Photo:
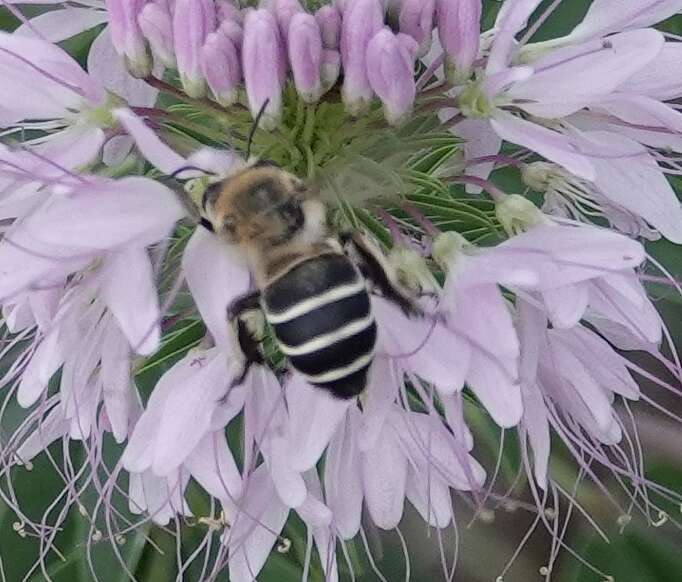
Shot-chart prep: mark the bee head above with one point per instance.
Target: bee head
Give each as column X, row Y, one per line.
column 261, row 204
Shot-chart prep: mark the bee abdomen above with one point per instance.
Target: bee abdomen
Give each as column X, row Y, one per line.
column 321, row 315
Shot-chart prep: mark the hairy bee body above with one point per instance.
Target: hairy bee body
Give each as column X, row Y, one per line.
column 321, row 315
column 312, row 291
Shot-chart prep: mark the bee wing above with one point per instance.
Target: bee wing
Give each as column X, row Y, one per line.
column 359, row 181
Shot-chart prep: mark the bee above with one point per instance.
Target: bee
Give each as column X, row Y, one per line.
column 312, row 284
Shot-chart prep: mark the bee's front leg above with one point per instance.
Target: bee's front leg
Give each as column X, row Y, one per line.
column 249, row 344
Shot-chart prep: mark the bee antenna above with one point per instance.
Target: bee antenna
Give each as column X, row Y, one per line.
column 186, row 168
column 254, row 127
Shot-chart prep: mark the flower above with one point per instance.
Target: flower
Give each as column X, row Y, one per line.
column 500, row 315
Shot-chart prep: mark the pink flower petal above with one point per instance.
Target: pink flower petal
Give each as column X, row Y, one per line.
column 431, row 498
column 108, row 69
column 570, row 78
column 256, row 523
column 566, row 305
column 207, row 260
column 116, row 381
column 188, row 409
column 606, row 16
column 561, row 255
column 629, row 176
column 549, row 144
column 537, row 430
column 151, row 147
column 384, row 477
column 212, row 465
column 342, row 477
column 107, row 214
column 661, row 78
column 479, row 141
column 511, row 18
column 314, row 417
column 40, row 80
column 129, row 290
column 58, row 25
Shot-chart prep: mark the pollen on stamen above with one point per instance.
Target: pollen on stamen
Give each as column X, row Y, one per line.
column 284, row 546
column 663, row 518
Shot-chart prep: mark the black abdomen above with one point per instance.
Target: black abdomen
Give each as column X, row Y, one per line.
column 321, row 315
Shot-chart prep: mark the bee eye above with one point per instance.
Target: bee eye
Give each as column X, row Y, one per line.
column 210, row 195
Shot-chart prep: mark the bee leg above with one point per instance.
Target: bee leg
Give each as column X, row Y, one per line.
column 248, row 343
column 375, row 267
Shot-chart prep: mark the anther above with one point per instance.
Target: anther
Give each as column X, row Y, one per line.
column 623, row 520
column 487, row 516
column 544, row 571
column 284, row 545
column 662, row 519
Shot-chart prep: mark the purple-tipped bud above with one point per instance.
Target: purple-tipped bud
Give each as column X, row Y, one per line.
column 329, row 21
column 284, row 11
column 232, row 30
column 330, row 69
column 193, row 21
column 362, row 19
column 459, row 29
column 390, row 68
column 226, row 10
column 305, row 56
column 221, row 67
column 416, row 19
column 262, row 61
column 157, row 25
column 127, row 37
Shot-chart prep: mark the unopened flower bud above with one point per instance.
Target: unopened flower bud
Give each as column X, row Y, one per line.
column 284, row 11
column 262, row 59
column 362, row 19
column 221, row 67
column 157, row 25
column 416, row 19
column 226, row 10
column 127, row 37
column 232, row 30
column 390, row 69
column 329, row 21
column 305, row 56
column 459, row 23
column 330, row 68
column 193, row 21
column 516, row 214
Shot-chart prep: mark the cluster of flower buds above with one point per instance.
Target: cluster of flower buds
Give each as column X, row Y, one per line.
column 218, row 47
